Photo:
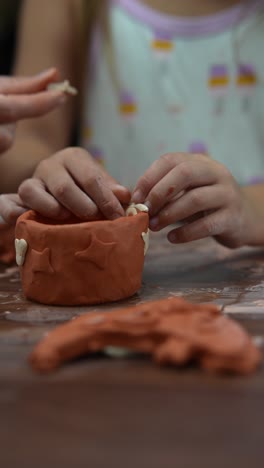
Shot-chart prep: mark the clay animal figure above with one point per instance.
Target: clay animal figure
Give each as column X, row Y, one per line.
column 172, row 331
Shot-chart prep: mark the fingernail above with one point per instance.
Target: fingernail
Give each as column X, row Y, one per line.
column 172, row 237
column 137, row 197
column 117, row 216
column 154, row 222
column 118, row 213
column 148, row 205
column 45, row 72
column 120, row 187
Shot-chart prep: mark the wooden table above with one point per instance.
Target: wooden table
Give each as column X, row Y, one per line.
column 99, row 412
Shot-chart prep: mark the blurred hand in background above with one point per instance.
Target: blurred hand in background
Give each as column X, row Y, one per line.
column 22, row 98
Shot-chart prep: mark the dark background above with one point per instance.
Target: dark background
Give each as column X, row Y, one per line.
column 9, row 11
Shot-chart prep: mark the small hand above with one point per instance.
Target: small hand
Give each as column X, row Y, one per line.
column 71, row 182
column 22, row 98
column 198, row 192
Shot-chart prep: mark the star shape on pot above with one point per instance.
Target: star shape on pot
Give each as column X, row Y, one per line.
column 41, row 261
column 97, row 252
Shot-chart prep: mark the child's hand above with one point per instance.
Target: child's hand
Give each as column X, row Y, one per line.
column 22, row 98
column 198, row 192
column 71, row 182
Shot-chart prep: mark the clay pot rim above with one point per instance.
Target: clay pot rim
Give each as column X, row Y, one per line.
column 37, row 220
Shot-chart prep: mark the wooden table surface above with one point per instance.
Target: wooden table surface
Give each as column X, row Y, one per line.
column 99, row 412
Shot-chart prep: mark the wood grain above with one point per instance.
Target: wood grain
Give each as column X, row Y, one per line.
column 98, row 412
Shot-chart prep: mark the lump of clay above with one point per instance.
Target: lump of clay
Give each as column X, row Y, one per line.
column 80, row 262
column 7, row 244
column 64, row 87
column 172, row 331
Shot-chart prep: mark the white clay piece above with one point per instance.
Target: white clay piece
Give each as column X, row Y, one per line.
column 131, row 211
column 64, row 87
column 136, row 208
column 21, row 250
column 145, row 237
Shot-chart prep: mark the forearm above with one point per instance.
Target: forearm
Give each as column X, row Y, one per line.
column 41, row 45
column 254, row 195
column 20, row 162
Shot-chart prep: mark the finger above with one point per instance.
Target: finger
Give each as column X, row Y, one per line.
column 61, row 185
column 6, row 137
column 122, row 193
column 28, row 85
column 96, row 186
column 184, row 176
column 215, row 224
column 35, row 196
column 11, row 207
column 14, row 108
column 192, row 202
column 154, row 174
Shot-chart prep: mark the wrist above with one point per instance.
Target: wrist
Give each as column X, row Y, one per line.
column 20, row 163
column 254, row 207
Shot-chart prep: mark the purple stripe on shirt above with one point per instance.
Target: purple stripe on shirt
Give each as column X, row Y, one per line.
column 163, row 35
column 190, row 27
column 198, row 147
column 246, row 69
column 127, row 98
column 217, row 71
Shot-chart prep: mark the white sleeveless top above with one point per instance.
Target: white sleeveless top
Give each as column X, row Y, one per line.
column 188, row 85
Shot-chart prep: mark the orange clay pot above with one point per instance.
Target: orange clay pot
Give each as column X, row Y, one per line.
column 81, row 262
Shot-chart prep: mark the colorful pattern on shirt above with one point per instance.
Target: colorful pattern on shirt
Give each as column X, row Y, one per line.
column 207, row 97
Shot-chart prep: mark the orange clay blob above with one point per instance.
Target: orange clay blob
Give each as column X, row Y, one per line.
column 172, row 331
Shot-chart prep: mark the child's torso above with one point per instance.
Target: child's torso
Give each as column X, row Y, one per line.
column 169, row 84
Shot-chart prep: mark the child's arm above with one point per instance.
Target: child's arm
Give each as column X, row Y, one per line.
column 24, row 98
column 47, row 38
column 201, row 194
column 254, row 194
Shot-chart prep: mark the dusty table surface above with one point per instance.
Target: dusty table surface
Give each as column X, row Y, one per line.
column 98, row 412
